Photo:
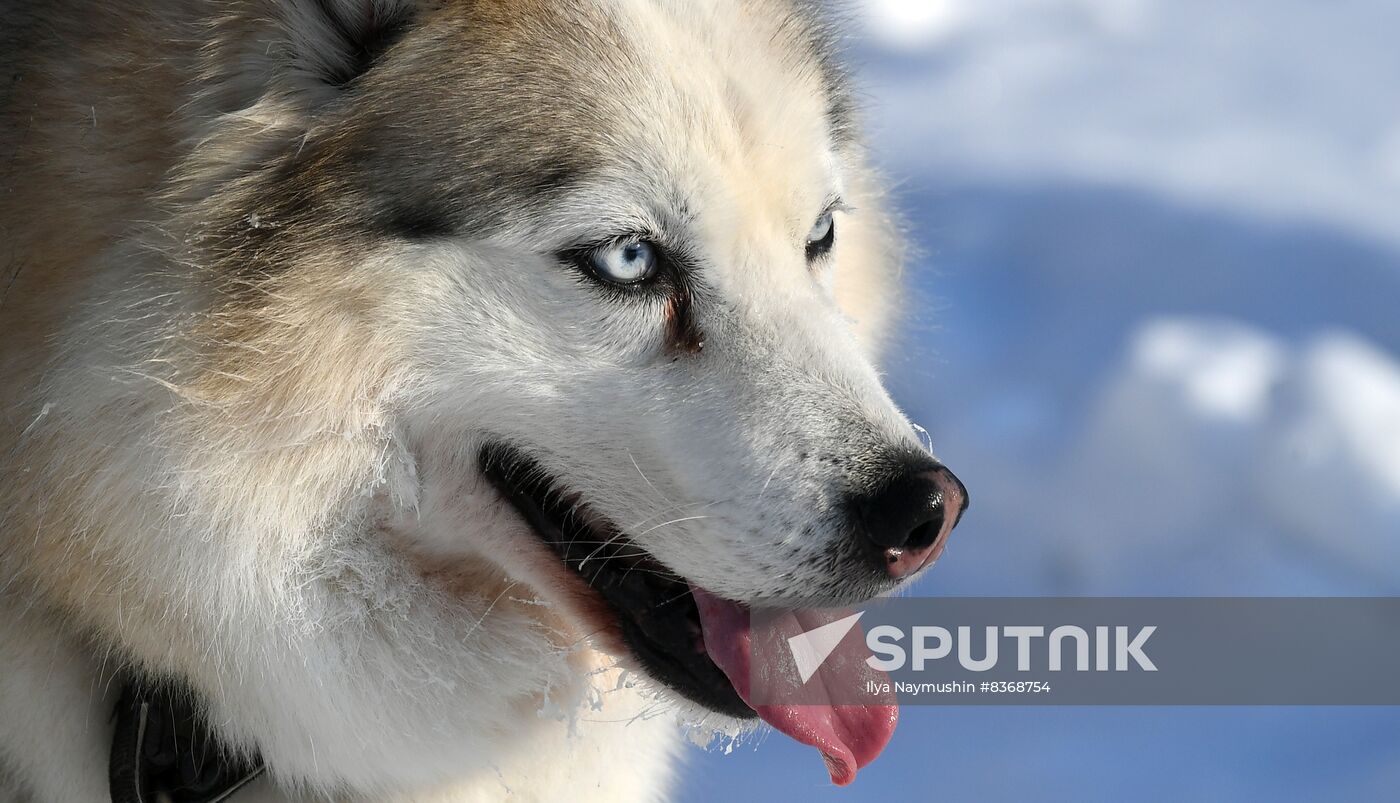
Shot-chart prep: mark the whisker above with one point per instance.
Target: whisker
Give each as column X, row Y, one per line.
column 672, row 509
column 644, row 477
column 679, row 596
column 672, row 521
column 764, row 490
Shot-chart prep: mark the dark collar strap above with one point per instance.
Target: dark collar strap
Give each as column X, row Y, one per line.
column 164, row 749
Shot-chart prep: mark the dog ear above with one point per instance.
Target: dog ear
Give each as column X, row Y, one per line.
column 337, row 41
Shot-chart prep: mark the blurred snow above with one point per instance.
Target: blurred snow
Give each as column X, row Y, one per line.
column 1210, row 457
column 1286, row 109
column 911, row 24
column 1212, row 433
column 1332, row 472
column 1220, row 371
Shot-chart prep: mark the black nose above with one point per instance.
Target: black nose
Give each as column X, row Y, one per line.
column 907, row 519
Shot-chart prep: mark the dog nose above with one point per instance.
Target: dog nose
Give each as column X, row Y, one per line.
column 908, row 519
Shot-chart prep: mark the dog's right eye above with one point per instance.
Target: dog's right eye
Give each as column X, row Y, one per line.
column 625, row 262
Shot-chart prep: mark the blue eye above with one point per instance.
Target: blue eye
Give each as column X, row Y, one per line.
column 626, row 262
column 821, row 237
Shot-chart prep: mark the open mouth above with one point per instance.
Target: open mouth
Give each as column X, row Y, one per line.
column 654, row 609
column 698, row 644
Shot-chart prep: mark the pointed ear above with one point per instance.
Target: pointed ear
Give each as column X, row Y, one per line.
column 336, row 41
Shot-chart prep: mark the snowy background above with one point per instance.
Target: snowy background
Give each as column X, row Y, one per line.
column 1158, row 336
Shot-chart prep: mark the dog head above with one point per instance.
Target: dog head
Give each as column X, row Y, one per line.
column 636, row 266
column 581, row 298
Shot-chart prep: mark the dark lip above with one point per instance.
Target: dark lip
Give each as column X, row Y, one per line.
column 653, row 607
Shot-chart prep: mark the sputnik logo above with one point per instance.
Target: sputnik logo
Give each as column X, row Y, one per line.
column 810, row 649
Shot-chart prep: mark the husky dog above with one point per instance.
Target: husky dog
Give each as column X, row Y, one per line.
column 426, row 388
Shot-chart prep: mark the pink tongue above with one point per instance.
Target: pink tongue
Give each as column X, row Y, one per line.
column 848, row 736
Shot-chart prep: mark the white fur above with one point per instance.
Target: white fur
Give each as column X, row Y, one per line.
column 302, row 533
